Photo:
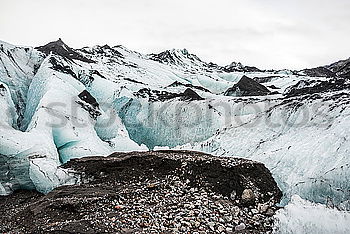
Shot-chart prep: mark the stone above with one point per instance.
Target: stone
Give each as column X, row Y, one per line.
column 270, row 212
column 233, row 195
column 240, row 227
column 262, row 208
column 248, row 196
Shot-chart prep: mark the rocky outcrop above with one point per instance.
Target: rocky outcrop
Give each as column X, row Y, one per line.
column 304, row 87
column 179, row 84
column 319, row 72
column 190, row 95
column 60, row 48
column 89, row 104
column 88, row 98
column 265, row 79
column 161, row 191
column 247, row 87
column 238, row 67
column 156, row 95
column 337, row 69
column 341, row 68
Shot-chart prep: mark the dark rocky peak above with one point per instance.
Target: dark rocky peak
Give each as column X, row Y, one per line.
column 247, row 87
column 337, row 69
column 305, row 87
column 318, row 72
column 341, row 68
column 214, row 66
column 238, row 67
column 60, row 48
column 191, row 95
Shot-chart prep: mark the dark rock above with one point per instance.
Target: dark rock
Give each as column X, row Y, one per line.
column 105, row 50
column 134, row 81
column 265, row 79
column 57, row 66
column 190, row 95
column 319, row 72
column 247, row 87
column 311, row 86
column 144, row 191
column 341, row 68
column 89, row 104
column 60, row 48
column 177, row 84
column 156, row 95
column 272, row 87
column 238, row 67
column 337, row 69
column 88, row 98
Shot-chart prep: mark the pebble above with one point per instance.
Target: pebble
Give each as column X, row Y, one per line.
column 240, row 227
column 248, row 196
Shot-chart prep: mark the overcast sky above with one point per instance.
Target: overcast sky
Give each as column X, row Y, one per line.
column 266, row 33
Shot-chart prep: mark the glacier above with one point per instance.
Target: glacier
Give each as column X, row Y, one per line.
column 58, row 103
column 301, row 216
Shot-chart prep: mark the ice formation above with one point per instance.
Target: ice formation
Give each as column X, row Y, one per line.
column 301, row 216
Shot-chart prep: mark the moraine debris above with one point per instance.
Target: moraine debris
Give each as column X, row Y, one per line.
column 143, row 192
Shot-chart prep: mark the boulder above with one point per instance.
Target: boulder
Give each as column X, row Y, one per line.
column 247, row 87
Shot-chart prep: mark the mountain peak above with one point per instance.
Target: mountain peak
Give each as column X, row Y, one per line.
column 239, row 67
column 176, row 57
column 60, row 48
column 180, row 51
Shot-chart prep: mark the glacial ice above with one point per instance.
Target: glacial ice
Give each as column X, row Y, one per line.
column 58, row 126
column 303, row 144
column 301, row 216
column 17, row 67
column 168, row 123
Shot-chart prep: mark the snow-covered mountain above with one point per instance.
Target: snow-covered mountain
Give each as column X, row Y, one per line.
column 339, row 69
column 60, row 103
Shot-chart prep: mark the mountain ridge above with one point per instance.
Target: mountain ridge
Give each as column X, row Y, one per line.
column 339, row 68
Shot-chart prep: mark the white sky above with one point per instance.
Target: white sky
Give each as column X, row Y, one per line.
column 291, row 34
